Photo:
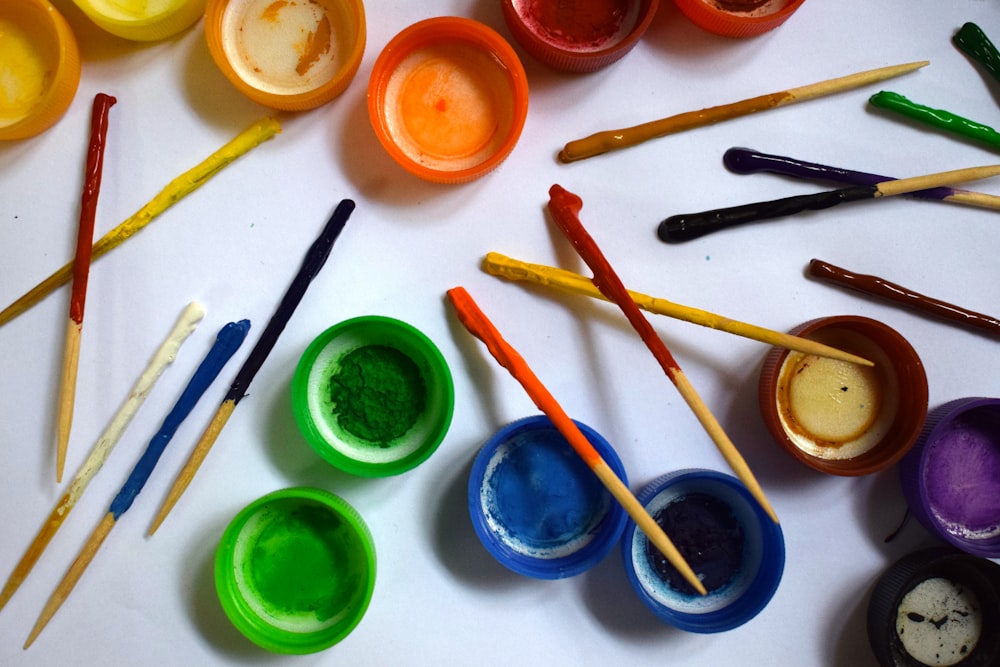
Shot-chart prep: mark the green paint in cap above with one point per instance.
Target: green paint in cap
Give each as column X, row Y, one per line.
column 295, row 570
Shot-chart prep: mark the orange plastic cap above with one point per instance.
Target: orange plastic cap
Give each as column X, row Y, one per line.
column 448, row 98
column 726, row 18
column 290, row 55
column 39, row 67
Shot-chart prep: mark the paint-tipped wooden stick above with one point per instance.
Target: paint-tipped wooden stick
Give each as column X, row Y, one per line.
column 473, row 319
column 565, row 208
column 314, row 260
column 550, row 276
column 748, row 161
column 228, row 340
column 81, row 271
column 603, row 142
column 174, row 191
column 164, row 356
column 687, row 226
column 884, row 289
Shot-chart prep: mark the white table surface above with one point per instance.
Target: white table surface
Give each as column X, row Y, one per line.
column 235, row 244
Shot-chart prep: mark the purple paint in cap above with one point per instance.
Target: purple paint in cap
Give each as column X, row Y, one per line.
column 951, row 478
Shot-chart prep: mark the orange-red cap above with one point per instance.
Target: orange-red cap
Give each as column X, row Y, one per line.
column 841, row 418
column 40, row 62
column 590, row 36
column 291, row 56
column 708, row 15
column 447, row 99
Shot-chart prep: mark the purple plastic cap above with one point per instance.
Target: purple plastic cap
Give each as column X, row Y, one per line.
column 951, row 477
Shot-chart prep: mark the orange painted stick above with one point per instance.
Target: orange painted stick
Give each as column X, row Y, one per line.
column 565, row 207
column 480, row 326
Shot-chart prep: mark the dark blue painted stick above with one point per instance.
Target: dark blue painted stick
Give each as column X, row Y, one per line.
column 314, row 260
column 227, row 342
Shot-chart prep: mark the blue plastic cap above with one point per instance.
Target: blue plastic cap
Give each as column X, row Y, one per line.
column 537, row 507
column 750, row 545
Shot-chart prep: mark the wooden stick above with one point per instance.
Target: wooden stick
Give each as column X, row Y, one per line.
column 880, row 287
column 748, row 161
column 228, row 340
column 174, row 191
column 513, row 269
column 163, row 357
column 687, row 226
column 565, row 207
column 470, row 315
column 81, row 271
column 603, row 142
column 314, row 260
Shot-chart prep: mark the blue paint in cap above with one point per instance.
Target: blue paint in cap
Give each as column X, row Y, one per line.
column 536, row 506
column 736, row 550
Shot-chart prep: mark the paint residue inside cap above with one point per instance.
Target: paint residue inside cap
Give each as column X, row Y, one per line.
column 750, row 8
column 962, row 475
column 736, row 520
column 296, row 566
column 939, row 622
column 285, row 47
column 448, row 106
column 591, row 25
column 833, row 409
column 27, row 58
column 539, row 496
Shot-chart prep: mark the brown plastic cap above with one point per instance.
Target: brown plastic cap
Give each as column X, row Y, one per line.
column 841, row 418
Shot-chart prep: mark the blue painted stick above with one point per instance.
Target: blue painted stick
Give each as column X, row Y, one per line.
column 227, row 342
column 313, row 261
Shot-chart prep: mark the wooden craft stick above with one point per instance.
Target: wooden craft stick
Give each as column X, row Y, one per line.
column 565, row 208
column 603, row 142
column 314, row 260
column 880, row 287
column 81, row 271
column 973, row 42
column 513, row 269
column 228, row 340
column 473, row 319
column 687, row 226
column 749, row 161
column 163, row 357
column 174, row 191
column 936, row 118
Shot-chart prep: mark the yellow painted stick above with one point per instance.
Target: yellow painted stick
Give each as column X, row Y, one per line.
column 505, row 267
column 176, row 190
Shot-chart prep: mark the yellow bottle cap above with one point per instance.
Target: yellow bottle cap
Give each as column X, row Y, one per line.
column 39, row 67
column 143, row 20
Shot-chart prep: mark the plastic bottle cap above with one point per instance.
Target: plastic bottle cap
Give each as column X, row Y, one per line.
column 730, row 542
column 582, row 38
column 285, row 55
column 951, row 477
column 143, row 20
column 939, row 607
column 447, row 99
column 393, row 429
column 536, row 506
column 738, row 18
column 295, row 570
column 39, row 67
column 842, row 418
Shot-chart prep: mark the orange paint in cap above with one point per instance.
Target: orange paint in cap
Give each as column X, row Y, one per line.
column 447, row 99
